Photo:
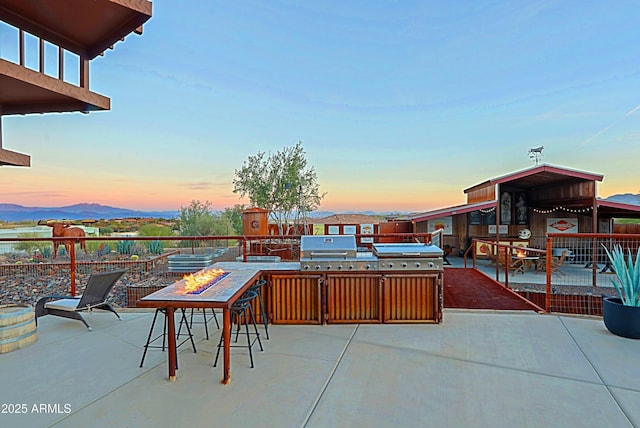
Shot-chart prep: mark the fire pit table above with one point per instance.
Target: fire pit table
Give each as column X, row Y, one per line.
column 220, row 295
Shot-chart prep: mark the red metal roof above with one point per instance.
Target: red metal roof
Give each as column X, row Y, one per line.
column 458, row 209
column 541, row 175
column 618, row 209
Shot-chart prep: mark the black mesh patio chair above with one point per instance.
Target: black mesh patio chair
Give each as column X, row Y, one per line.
column 257, row 288
column 94, row 297
column 242, row 313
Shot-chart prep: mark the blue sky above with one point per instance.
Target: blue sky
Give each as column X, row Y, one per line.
column 400, row 104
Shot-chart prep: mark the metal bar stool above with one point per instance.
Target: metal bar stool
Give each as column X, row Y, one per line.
column 242, row 313
column 148, row 345
column 257, row 287
column 204, row 321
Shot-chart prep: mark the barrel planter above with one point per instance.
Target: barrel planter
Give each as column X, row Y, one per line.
column 619, row 319
column 17, row 327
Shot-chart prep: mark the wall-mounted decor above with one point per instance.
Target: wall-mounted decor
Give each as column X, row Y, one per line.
column 348, row 230
column 490, row 217
column 503, row 230
column 366, row 229
column 562, row 225
column 522, row 208
column 444, row 223
column 505, row 208
column 334, row 230
column 475, row 218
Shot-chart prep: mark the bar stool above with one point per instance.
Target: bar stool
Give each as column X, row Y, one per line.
column 204, row 321
column 257, row 287
column 148, row 345
column 242, row 313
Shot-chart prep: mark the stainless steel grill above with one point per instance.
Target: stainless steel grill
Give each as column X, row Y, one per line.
column 324, row 253
column 408, row 257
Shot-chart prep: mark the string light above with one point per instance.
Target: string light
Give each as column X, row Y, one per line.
column 559, row 208
column 488, row 210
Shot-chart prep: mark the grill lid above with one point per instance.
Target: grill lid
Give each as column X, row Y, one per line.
column 406, row 250
column 327, row 246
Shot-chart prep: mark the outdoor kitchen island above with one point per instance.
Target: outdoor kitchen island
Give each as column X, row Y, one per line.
column 398, row 283
column 336, row 283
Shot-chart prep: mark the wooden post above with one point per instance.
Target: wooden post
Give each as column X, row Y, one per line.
column 226, row 333
column 549, row 269
column 172, row 347
column 72, row 267
column 60, row 63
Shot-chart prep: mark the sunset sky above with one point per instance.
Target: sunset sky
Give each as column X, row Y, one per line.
column 400, row 105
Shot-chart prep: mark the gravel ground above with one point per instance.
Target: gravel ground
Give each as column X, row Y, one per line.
column 566, row 289
column 27, row 286
column 27, row 289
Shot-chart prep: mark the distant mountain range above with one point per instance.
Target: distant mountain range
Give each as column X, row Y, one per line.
column 625, row 198
column 86, row 211
column 13, row 212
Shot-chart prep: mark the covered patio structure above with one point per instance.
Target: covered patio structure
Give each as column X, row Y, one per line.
column 538, row 200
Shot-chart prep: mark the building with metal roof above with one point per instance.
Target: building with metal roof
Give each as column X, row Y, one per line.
column 528, row 203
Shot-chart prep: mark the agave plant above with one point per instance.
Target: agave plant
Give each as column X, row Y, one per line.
column 125, row 247
column 627, row 271
column 155, row 247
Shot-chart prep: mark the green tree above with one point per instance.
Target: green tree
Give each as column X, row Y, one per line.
column 234, row 216
column 196, row 219
column 281, row 182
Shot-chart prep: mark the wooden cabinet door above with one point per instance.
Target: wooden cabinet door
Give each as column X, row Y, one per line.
column 412, row 298
column 353, row 298
column 296, row 299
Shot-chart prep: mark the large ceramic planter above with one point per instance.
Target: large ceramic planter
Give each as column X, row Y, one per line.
column 619, row 319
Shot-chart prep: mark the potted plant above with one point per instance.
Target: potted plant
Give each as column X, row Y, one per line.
column 622, row 314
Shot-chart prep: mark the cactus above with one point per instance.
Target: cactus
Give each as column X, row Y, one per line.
column 124, row 247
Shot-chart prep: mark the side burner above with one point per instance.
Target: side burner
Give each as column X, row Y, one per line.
column 325, row 253
column 408, row 256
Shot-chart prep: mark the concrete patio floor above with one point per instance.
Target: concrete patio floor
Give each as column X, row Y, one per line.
column 476, row 369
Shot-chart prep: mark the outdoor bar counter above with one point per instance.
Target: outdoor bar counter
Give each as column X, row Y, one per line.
column 296, row 297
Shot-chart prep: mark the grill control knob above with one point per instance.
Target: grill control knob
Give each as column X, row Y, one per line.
column 390, row 265
column 306, row 267
column 431, row 265
column 328, row 267
column 317, row 267
column 404, row 265
column 417, row 264
column 339, row 267
column 351, row 267
column 367, row 267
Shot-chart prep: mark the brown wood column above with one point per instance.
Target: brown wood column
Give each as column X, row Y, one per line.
column 84, row 73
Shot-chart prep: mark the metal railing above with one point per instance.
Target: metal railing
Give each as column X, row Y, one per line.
column 29, row 269
column 570, row 274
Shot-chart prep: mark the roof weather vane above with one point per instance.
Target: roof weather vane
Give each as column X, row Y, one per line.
column 536, row 153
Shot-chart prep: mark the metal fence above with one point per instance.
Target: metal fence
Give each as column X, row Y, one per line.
column 29, row 268
column 570, row 274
